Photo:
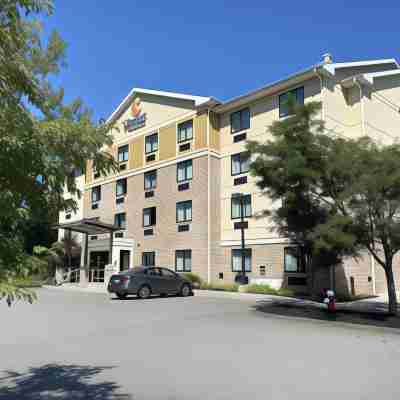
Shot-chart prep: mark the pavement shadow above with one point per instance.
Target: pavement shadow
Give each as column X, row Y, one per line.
column 54, row 381
column 365, row 313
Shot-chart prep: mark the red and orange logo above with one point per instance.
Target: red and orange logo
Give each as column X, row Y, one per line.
column 136, row 107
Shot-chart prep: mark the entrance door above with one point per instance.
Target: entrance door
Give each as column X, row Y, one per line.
column 124, row 256
column 98, row 260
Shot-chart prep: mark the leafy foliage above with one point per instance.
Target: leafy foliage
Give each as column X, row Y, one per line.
column 340, row 196
column 43, row 141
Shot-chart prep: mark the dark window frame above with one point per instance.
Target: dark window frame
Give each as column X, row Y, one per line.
column 154, row 171
column 185, row 163
column 152, row 143
column 117, row 221
column 152, row 255
column 301, row 260
column 244, row 123
column 183, row 126
column 184, row 253
column 243, row 156
column 233, row 198
column 124, row 151
column 247, row 250
column 124, row 186
column 153, row 216
column 284, row 98
column 96, row 188
column 184, row 203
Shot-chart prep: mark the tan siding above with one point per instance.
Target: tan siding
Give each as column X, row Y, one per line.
column 167, row 138
column 136, row 148
column 214, row 132
column 89, row 171
column 200, row 131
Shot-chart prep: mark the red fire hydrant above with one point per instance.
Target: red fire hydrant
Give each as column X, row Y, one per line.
column 330, row 300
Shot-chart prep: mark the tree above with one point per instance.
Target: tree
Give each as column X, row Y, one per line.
column 43, row 141
column 340, row 196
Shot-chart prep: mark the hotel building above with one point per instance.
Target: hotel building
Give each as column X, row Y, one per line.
column 182, row 163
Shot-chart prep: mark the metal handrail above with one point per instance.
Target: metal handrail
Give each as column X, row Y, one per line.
column 67, row 277
column 96, row 275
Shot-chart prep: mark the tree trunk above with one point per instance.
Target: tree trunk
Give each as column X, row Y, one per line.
column 391, row 290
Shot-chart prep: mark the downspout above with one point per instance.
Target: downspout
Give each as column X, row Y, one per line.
column 208, row 200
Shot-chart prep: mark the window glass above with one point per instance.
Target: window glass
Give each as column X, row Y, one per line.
column 96, row 194
column 151, row 143
column 149, row 216
column 154, row 271
column 148, row 258
column 167, row 273
column 240, row 163
column 236, row 206
column 184, row 171
column 184, row 211
column 240, row 120
column 183, row 260
column 123, row 153
column 150, row 180
column 294, row 259
column 237, row 260
column 121, row 187
column 120, row 220
column 185, row 131
column 296, row 94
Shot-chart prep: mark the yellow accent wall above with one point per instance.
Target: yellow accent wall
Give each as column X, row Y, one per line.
column 167, row 142
column 136, row 149
column 200, row 131
column 214, row 132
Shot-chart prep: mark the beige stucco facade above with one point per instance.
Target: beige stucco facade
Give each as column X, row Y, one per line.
column 357, row 99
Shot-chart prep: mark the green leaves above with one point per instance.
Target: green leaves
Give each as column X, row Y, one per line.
column 43, row 140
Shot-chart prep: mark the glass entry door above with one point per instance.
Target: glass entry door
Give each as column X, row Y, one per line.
column 98, row 260
column 124, row 256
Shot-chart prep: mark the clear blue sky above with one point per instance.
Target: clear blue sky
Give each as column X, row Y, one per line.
column 210, row 48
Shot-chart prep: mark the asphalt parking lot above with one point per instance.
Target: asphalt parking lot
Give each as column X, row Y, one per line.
column 72, row 345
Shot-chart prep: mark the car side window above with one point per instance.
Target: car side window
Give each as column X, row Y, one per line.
column 154, row 272
column 167, row 273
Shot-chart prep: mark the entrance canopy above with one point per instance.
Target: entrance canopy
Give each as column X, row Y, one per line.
column 90, row 226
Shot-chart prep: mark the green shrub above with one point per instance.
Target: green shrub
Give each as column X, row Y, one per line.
column 267, row 289
column 224, row 287
column 195, row 279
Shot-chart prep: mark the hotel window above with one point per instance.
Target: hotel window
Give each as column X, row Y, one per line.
column 237, row 260
column 151, row 143
column 120, row 220
column 149, row 259
column 184, row 171
column 150, row 180
column 183, row 260
column 185, row 131
column 149, row 216
column 236, row 206
column 294, row 259
column 296, row 94
column 240, row 120
column 96, row 194
column 240, row 163
column 123, row 153
column 120, row 189
column 184, row 211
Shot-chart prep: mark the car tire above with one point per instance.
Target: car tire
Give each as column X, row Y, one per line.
column 121, row 296
column 185, row 290
column 144, row 292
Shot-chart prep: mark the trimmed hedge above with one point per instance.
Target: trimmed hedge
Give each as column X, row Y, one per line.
column 267, row 289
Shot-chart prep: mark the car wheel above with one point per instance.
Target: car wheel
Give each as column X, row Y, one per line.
column 122, row 295
column 185, row 290
column 144, row 292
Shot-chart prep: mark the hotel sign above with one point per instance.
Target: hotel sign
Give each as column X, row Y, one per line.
column 139, row 118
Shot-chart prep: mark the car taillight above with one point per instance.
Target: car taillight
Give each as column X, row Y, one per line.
column 125, row 279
